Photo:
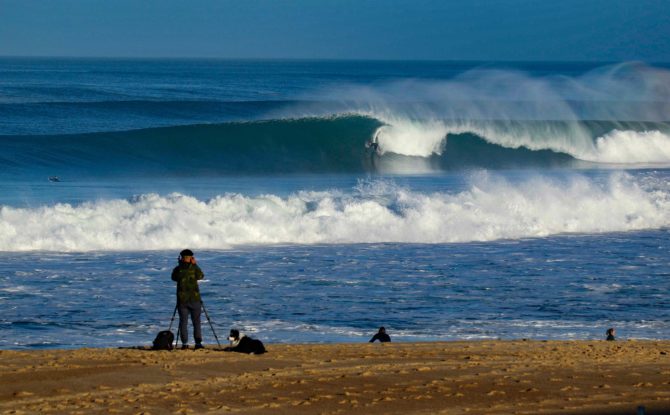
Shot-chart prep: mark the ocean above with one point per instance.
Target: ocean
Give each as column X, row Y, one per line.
column 323, row 199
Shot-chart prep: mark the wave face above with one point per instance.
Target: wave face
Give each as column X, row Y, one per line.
column 322, row 145
column 287, row 146
column 488, row 208
column 334, row 145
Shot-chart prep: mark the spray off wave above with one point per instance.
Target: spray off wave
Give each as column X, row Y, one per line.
column 612, row 114
column 490, row 208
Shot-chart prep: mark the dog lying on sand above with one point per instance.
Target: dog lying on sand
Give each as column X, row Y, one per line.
column 244, row 344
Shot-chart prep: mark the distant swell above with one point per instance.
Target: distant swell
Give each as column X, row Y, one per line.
column 490, row 208
column 90, row 116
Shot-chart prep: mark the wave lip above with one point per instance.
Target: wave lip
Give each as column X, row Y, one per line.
column 491, row 208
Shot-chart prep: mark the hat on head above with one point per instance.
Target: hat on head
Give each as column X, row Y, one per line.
column 186, row 252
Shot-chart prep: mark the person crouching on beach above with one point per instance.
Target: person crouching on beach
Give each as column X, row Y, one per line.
column 610, row 333
column 381, row 336
column 187, row 274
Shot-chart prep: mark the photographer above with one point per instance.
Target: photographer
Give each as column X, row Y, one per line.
column 187, row 274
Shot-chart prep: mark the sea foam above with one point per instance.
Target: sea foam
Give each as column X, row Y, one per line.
column 424, row 139
column 633, row 147
column 489, row 208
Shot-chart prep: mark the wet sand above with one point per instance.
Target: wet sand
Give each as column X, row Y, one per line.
column 482, row 377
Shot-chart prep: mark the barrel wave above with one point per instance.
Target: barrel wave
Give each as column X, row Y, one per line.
column 333, row 144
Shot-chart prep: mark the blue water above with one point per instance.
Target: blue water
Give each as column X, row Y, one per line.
column 504, row 201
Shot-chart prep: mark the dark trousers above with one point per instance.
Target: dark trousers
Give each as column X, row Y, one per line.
column 192, row 309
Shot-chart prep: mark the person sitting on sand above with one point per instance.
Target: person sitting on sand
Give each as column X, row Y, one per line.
column 381, row 336
column 244, row 344
column 610, row 334
column 187, row 274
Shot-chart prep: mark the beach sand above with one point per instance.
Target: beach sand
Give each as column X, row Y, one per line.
column 480, row 377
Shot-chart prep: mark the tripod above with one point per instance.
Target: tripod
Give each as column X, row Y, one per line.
column 209, row 320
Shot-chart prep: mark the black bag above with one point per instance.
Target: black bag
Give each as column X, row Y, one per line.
column 164, row 340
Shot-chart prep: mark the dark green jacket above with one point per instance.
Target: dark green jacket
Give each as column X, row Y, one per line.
column 187, row 276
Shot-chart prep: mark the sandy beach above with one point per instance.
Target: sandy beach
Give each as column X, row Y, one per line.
column 493, row 377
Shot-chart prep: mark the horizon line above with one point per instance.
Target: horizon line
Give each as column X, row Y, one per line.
column 217, row 58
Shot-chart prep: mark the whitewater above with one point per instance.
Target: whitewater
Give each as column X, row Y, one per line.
column 490, row 208
column 444, row 200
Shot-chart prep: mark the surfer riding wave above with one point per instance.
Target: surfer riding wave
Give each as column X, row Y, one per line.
column 373, row 145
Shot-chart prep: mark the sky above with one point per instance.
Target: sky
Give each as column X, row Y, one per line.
column 481, row 30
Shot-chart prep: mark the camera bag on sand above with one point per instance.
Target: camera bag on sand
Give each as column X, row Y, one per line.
column 164, row 340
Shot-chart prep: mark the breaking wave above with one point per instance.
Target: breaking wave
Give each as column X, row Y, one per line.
column 611, row 114
column 330, row 145
column 488, row 208
column 486, row 118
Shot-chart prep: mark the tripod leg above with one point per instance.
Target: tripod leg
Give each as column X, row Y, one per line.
column 210, row 324
column 174, row 313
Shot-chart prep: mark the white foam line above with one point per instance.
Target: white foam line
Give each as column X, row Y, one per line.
column 490, row 208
